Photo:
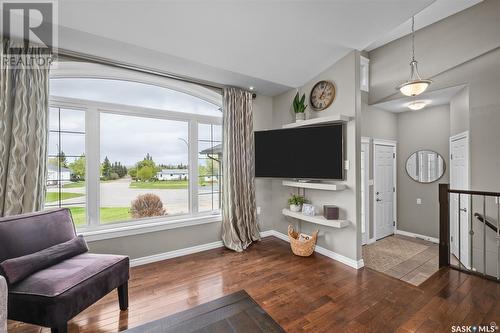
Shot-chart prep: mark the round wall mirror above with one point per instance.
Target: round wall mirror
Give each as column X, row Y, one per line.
column 425, row 166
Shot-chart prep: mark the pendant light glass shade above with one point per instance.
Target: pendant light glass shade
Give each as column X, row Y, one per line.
column 415, row 85
column 417, row 105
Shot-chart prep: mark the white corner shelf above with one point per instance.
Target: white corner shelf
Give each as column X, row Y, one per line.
column 315, row 186
column 317, row 219
column 340, row 118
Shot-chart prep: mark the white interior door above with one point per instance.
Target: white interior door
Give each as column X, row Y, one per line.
column 384, row 188
column 365, row 171
column 459, row 180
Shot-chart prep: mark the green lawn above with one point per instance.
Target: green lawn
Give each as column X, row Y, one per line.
column 161, row 185
column 108, row 214
column 54, row 196
column 75, row 184
column 164, row 184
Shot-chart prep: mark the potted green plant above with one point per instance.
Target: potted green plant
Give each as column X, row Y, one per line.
column 299, row 107
column 296, row 202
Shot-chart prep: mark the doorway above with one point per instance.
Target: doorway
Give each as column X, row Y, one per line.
column 459, row 208
column 384, row 181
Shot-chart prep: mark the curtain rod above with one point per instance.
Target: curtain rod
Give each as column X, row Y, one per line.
column 108, row 62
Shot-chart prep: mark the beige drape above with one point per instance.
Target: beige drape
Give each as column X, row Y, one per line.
column 239, row 211
column 24, row 94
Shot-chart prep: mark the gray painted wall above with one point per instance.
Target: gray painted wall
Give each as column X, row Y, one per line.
column 379, row 124
column 459, row 112
column 346, row 241
column 263, row 120
column 440, row 47
column 425, row 129
column 152, row 243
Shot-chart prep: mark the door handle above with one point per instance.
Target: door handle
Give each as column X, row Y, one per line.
column 378, row 199
column 463, row 210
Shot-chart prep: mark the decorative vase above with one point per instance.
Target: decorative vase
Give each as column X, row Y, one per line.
column 296, row 208
column 300, row 116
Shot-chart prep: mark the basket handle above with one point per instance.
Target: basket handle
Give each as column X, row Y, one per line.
column 315, row 234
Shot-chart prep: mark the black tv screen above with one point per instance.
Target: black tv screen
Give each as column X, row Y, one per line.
column 301, row 153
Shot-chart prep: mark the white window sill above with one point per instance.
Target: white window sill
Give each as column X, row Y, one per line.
column 130, row 229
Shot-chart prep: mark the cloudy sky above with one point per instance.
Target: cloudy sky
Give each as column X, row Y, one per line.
column 127, row 139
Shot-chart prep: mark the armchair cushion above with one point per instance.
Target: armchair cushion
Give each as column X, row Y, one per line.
column 58, row 293
column 28, row 233
column 17, row 269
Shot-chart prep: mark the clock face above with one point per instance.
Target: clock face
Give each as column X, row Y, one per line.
column 322, row 95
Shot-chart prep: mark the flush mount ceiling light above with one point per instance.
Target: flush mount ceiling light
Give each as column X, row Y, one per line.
column 415, row 85
column 417, row 105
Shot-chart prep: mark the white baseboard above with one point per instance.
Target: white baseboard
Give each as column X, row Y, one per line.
column 321, row 250
column 371, row 241
column 209, row 246
column 411, row 234
column 175, row 253
column 266, row 233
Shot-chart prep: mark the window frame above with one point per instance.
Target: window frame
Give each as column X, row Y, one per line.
column 93, row 109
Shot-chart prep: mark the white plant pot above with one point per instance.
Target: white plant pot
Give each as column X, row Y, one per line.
column 300, row 117
column 296, row 208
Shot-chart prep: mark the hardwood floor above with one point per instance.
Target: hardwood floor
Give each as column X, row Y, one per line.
column 314, row 294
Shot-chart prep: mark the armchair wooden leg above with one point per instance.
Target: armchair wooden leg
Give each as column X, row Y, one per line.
column 123, row 296
column 60, row 329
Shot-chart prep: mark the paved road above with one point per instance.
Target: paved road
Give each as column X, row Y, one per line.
column 118, row 194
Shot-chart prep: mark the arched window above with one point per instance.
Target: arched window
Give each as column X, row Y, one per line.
column 121, row 140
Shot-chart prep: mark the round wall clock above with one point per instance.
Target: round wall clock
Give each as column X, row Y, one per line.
column 322, row 95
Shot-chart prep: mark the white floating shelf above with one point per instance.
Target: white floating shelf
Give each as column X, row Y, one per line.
column 318, row 219
column 315, row 186
column 340, row 118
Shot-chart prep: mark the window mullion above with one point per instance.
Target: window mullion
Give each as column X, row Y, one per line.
column 193, row 166
column 92, row 126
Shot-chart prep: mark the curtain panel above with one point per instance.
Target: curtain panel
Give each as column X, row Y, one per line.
column 24, row 96
column 239, row 209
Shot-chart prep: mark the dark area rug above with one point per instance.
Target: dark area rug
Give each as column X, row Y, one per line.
column 235, row 313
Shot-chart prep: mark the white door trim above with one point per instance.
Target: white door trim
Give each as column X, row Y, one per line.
column 391, row 143
column 459, row 136
column 454, row 138
column 366, row 141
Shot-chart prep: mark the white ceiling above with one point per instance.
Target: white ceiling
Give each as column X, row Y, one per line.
column 437, row 11
column 285, row 43
column 435, row 98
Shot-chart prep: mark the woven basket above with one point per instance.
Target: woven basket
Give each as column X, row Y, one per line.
column 299, row 248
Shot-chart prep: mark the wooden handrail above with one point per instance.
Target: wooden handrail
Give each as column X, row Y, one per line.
column 484, row 193
column 485, row 220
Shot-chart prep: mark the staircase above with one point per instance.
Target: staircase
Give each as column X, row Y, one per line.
column 469, row 240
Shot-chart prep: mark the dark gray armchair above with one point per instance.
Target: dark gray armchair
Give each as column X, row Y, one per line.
column 52, row 296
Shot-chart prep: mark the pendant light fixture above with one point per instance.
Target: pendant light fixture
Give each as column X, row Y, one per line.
column 417, row 105
column 415, row 85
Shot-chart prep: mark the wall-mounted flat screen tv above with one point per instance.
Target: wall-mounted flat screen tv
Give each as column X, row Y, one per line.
column 301, row 153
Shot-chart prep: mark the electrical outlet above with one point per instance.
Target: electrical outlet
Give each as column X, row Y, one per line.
column 346, row 164
column 419, row 201
column 258, row 210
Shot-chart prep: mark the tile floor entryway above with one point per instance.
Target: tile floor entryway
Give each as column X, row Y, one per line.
column 405, row 258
